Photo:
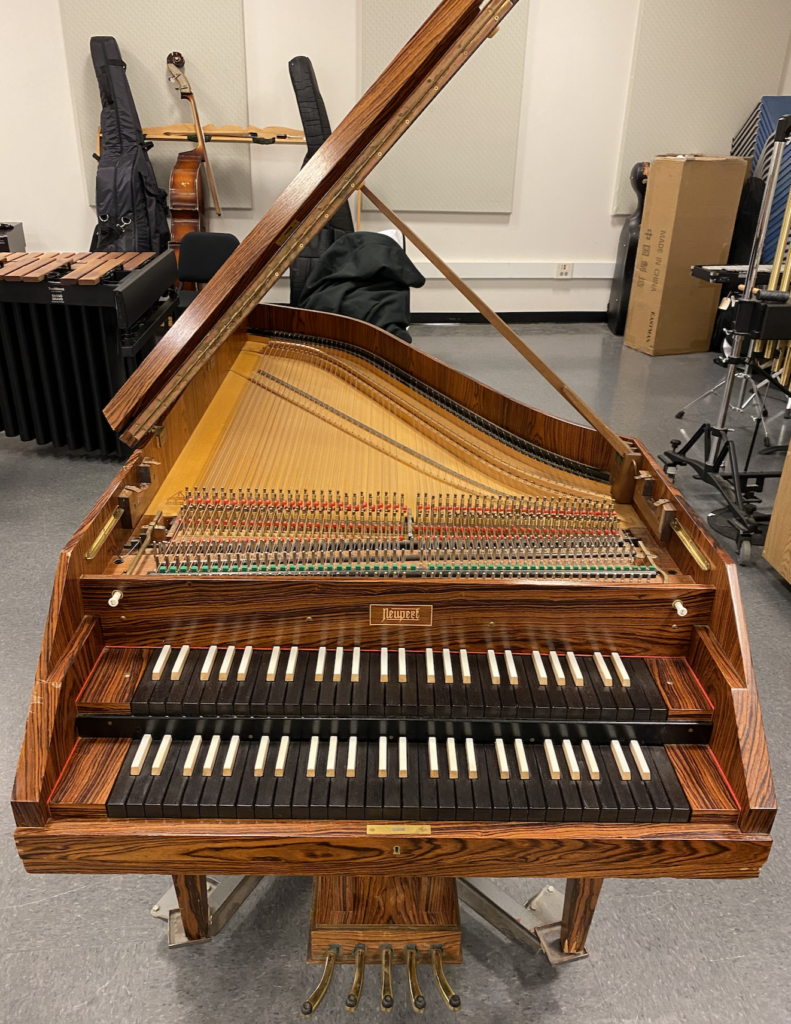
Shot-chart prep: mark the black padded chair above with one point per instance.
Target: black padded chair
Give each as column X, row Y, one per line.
column 201, row 255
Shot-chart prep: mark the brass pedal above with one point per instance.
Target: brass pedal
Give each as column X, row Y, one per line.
column 452, row 1001
column 415, row 995
column 353, row 998
column 313, row 1000
column 387, row 978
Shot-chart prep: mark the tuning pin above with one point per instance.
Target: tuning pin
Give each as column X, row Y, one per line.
column 353, row 998
column 387, row 978
column 416, row 996
column 452, row 1001
column 313, row 1000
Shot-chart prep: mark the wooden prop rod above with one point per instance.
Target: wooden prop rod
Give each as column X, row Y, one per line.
column 499, row 324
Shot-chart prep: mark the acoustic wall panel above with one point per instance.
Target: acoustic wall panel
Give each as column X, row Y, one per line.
column 698, row 68
column 460, row 155
column 210, row 35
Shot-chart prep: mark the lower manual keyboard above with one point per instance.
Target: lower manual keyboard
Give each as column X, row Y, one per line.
column 437, row 780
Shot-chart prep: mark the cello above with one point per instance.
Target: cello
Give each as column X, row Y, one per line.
column 186, row 182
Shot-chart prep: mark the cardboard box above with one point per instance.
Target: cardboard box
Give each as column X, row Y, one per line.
column 690, row 210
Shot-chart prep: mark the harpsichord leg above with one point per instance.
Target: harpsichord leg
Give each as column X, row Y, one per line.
column 194, row 905
column 582, row 895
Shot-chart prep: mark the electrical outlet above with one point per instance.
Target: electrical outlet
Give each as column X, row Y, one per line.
column 564, row 270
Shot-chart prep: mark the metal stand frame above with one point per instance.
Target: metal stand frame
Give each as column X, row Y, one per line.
column 226, row 896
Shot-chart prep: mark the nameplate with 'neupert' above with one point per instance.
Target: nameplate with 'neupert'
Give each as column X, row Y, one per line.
column 400, row 614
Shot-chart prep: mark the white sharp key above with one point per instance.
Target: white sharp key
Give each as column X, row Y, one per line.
column 383, row 659
column 433, row 759
column 465, row 667
column 510, row 667
column 162, row 660
column 313, row 756
column 140, row 756
column 453, row 764
column 282, row 754
column 211, row 756
column 382, row 757
column 356, row 665
column 402, row 664
column 576, row 671
column 494, row 671
column 640, row 761
column 332, row 757
column 402, row 759
column 271, row 669
column 351, row 758
column 552, row 759
column 178, row 667
column 291, row 665
column 208, row 661
column 502, row 760
column 337, row 667
column 601, row 665
column 620, row 760
column 319, row 676
column 430, row 677
column 521, row 759
column 590, row 760
column 260, row 757
column 244, row 664
column 161, row 757
column 557, row 668
column 538, row 665
column 447, row 665
column 571, row 759
column 620, row 669
column 472, row 763
column 230, row 757
column 227, row 661
column 192, row 756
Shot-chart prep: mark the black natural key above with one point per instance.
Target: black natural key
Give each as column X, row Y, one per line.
column 116, row 802
column 245, row 798
column 167, row 697
column 275, row 700
column 360, row 688
column 591, row 708
column 635, row 690
column 586, row 788
column 523, row 695
column 320, row 790
column 446, row 789
column 228, row 687
column 498, row 787
column 155, row 797
column 211, row 690
column 656, row 792
column 641, row 677
column 190, row 703
column 443, row 702
column 428, row 786
column 608, row 805
column 622, row 695
column 507, row 697
column 609, row 711
column 355, row 786
column 376, row 688
column 425, row 690
column 391, row 795
column 576, row 708
column 267, row 785
column 657, row 758
column 644, row 806
column 475, row 703
column 392, row 688
column 374, row 786
column 481, row 796
column 572, row 804
column 243, row 689
column 336, row 808
column 300, row 798
column 145, row 687
column 558, row 708
column 136, row 801
column 465, row 805
column 516, row 787
column 190, row 798
column 458, row 692
column 534, row 791
column 538, row 693
column 343, row 692
column 281, row 806
column 294, row 687
column 171, row 805
column 409, row 698
column 492, row 707
column 410, row 786
column 261, row 686
column 309, row 704
column 620, row 788
column 210, row 794
column 232, row 784
column 326, row 700
column 552, row 795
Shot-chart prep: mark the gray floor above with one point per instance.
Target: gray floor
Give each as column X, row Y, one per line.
column 84, row 949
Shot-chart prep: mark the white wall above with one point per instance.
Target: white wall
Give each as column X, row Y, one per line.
column 577, row 70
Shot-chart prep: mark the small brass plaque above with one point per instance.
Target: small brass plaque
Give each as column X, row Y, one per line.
column 400, row 614
column 399, row 830
column 289, row 231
